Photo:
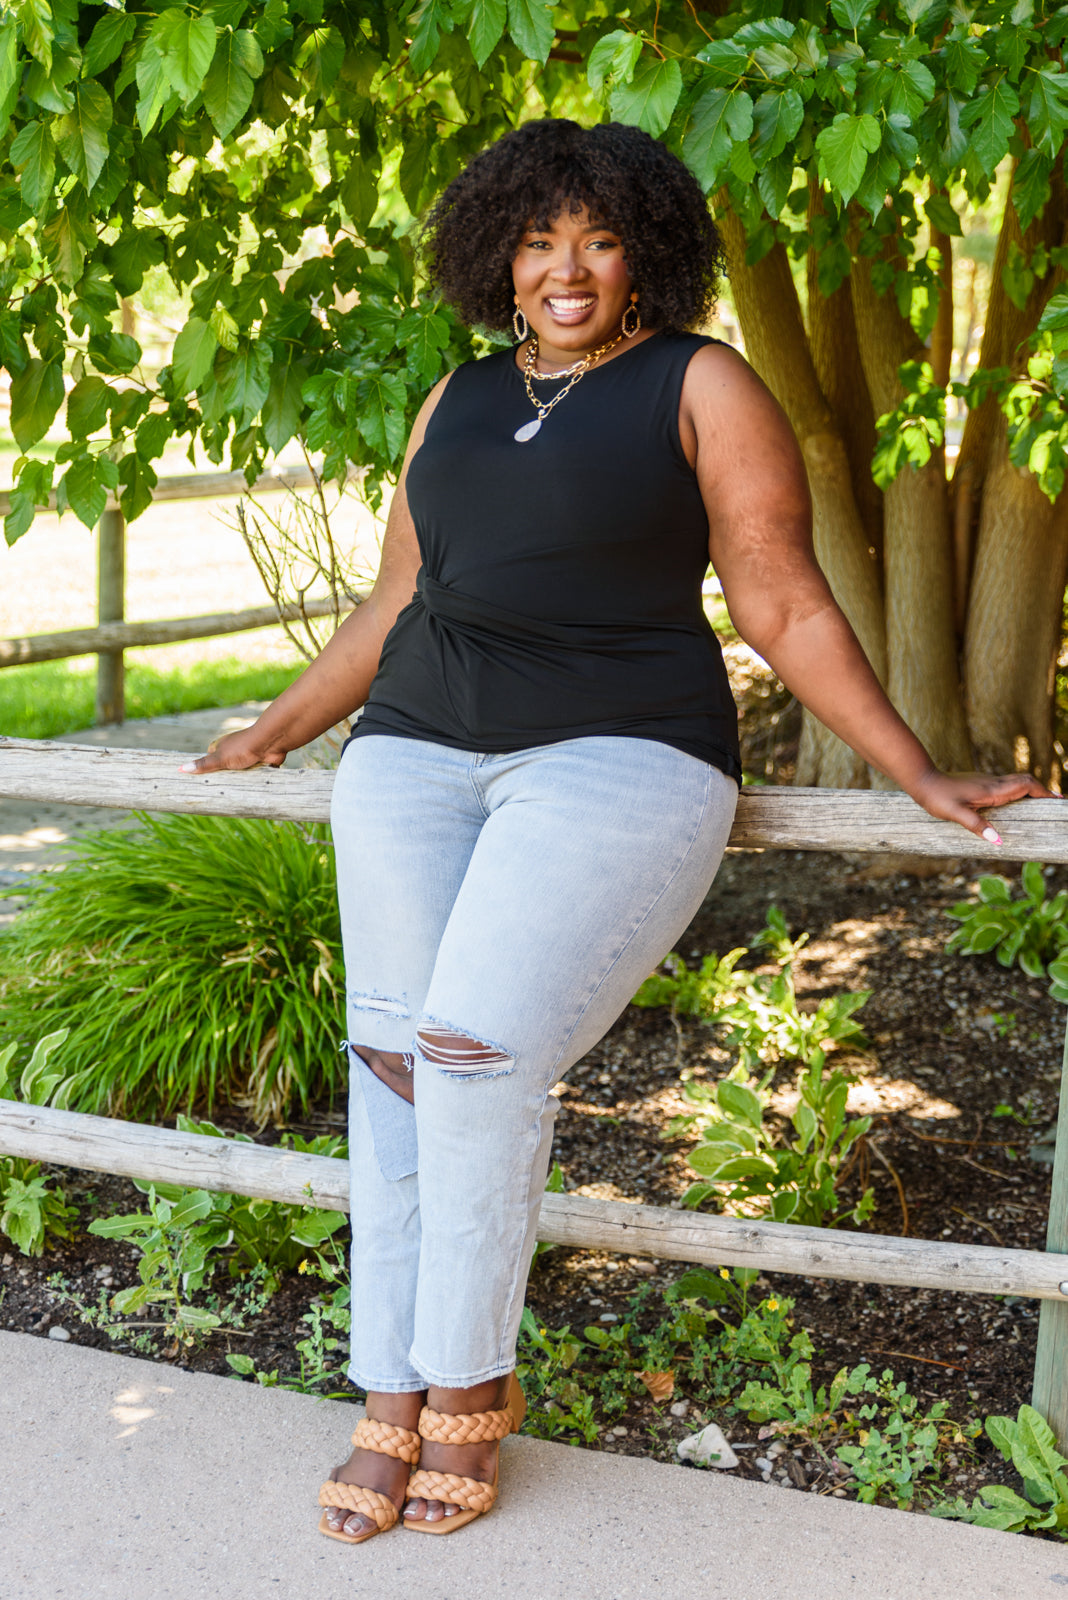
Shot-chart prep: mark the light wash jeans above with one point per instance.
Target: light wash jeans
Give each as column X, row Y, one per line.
column 519, row 900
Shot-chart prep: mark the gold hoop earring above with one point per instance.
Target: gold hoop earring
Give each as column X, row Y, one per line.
column 628, row 333
column 517, row 318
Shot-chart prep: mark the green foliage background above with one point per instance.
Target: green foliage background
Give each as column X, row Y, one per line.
column 268, row 157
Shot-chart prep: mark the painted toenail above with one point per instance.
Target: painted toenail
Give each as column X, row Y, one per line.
column 411, row 1508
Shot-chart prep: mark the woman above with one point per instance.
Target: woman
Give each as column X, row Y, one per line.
column 542, row 782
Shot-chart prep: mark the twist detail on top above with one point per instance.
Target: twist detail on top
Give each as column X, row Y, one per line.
column 365, row 1502
column 468, row 1493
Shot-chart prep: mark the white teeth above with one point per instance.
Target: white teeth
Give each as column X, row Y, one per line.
column 571, row 303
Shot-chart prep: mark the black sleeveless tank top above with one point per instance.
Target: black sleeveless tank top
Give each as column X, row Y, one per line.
column 560, row 592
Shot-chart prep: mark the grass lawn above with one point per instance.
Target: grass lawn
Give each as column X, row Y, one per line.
column 57, row 697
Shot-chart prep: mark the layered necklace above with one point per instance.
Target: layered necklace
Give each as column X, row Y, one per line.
column 577, row 370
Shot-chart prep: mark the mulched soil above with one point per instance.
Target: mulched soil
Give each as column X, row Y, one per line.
column 952, row 1038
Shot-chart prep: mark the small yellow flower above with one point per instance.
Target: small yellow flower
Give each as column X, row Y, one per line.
column 724, row 1272
column 303, row 1266
column 773, row 1305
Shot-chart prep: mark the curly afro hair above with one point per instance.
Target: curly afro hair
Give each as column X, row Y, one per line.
column 627, row 181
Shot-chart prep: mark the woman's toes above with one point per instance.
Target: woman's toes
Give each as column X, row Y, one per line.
column 415, row 1510
column 434, row 1511
column 355, row 1524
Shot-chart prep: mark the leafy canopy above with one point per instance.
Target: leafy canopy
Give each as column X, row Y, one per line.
column 268, row 157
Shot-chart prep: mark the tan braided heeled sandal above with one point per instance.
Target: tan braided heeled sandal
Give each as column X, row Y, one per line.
column 473, row 1496
column 385, row 1440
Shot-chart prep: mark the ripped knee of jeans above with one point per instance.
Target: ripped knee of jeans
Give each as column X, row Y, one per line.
column 459, row 1054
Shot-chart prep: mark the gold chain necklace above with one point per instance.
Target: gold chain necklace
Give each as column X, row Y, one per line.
column 573, row 373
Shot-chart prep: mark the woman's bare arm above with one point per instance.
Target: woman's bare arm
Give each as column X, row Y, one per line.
column 339, row 678
column 755, row 490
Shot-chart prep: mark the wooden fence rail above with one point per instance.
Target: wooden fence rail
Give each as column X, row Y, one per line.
column 861, row 820
column 796, row 819
column 229, row 1166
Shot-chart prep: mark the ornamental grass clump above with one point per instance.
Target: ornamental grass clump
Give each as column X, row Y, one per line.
column 193, row 959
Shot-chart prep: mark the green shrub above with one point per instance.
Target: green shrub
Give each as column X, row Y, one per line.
column 1030, row 932
column 192, row 958
column 34, row 1214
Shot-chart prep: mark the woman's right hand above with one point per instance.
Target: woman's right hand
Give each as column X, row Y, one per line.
column 236, row 752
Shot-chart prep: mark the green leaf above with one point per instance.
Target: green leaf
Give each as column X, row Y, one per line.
column 155, row 93
column 282, row 407
column 485, row 26
column 186, row 45
column 138, row 480
column 844, row 148
column 33, row 155
column 88, row 482
column 194, row 1206
column 9, row 69
column 36, row 396
column 245, row 381
column 1047, row 111
column 320, row 58
column 87, row 407
column 82, row 135
column 941, row 215
column 424, row 334
column 739, row 1101
column 777, row 116
column 381, row 418
column 38, row 31
column 111, row 33
column 650, row 97
column 428, row 22
column 193, row 355
column 228, row 87
column 530, row 23
column 851, row 13
column 115, row 352
column 615, row 55
column 721, row 118
column 990, row 116
column 1030, row 186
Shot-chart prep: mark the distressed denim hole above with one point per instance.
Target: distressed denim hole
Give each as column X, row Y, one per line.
column 382, row 1003
column 457, row 1053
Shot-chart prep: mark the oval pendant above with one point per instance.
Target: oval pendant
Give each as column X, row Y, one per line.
column 527, row 431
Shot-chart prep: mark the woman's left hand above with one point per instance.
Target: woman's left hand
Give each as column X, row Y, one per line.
column 960, row 797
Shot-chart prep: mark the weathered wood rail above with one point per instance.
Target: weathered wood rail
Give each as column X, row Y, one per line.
column 774, row 819
column 790, row 819
column 229, row 1166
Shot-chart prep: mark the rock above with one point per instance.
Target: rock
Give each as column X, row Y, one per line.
column 775, row 1450
column 608, row 1316
column 680, row 1408
column 58, row 1333
column 708, row 1448
column 762, row 1464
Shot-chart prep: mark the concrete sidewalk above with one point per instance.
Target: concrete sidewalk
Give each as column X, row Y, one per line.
column 128, row 1480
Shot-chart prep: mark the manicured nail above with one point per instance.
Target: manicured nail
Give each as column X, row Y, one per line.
column 188, row 766
column 409, row 1510
column 990, row 836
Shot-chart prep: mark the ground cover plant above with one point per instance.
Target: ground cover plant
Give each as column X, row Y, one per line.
column 191, row 958
column 55, row 697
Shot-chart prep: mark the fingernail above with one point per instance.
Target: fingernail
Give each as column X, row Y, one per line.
column 990, row 836
column 188, row 766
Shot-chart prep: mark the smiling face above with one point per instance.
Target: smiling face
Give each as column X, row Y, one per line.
column 573, row 285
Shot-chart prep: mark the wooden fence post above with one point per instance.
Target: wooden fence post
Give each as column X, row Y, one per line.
column 1050, row 1394
column 111, row 605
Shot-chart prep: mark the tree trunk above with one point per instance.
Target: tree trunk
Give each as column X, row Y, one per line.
column 776, row 344
column 1014, row 620
column 922, row 679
